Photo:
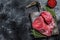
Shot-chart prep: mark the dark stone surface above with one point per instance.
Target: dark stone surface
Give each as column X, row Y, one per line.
column 14, row 20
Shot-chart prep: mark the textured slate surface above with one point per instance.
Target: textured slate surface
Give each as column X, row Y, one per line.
column 12, row 13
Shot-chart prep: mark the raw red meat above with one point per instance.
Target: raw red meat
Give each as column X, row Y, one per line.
column 40, row 24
